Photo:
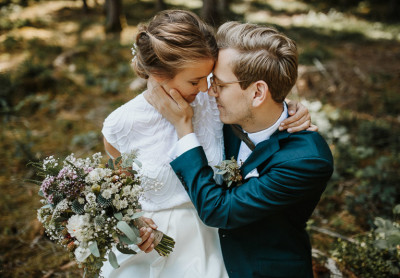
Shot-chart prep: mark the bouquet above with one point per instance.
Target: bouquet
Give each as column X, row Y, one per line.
column 230, row 172
column 90, row 208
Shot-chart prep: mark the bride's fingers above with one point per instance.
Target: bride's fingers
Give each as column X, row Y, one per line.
column 312, row 128
column 150, row 222
column 147, row 236
column 292, row 107
column 295, row 124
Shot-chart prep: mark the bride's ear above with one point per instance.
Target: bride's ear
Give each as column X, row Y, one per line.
column 157, row 78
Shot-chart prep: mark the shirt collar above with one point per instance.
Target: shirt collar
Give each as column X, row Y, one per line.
column 263, row 135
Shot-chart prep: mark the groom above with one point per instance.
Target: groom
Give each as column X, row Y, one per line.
column 261, row 222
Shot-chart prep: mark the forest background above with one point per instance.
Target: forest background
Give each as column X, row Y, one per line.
column 65, row 65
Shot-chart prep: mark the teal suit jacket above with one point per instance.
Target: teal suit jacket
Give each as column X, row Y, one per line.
column 262, row 222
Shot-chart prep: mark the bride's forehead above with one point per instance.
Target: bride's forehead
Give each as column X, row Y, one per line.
column 197, row 69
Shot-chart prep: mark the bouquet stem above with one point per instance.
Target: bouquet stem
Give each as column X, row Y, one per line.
column 163, row 243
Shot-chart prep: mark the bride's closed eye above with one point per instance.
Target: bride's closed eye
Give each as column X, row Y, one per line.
column 194, row 83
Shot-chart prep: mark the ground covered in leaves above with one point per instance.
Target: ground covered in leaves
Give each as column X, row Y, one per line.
column 61, row 75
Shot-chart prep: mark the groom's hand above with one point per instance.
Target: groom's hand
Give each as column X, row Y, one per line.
column 147, row 236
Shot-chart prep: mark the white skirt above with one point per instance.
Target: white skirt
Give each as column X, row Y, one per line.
column 197, row 251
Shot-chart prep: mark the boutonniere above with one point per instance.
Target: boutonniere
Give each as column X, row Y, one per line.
column 230, row 172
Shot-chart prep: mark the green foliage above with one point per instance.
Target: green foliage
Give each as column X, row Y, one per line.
column 11, row 43
column 365, row 260
column 368, row 160
column 88, row 140
column 375, row 254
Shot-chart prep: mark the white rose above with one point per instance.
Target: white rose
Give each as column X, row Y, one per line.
column 77, row 227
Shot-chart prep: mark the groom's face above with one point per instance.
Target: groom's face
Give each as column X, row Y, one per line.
column 234, row 103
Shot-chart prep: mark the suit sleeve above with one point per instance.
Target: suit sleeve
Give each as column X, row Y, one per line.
column 281, row 186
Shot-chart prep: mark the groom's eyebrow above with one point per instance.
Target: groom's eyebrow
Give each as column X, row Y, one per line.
column 216, row 78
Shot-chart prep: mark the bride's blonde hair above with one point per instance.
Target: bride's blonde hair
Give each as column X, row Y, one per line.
column 171, row 40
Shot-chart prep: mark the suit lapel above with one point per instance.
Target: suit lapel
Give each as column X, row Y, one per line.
column 263, row 151
column 231, row 143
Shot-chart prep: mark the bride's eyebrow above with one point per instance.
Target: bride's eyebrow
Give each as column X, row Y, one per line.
column 198, row 78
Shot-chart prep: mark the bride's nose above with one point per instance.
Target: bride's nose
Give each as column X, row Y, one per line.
column 203, row 85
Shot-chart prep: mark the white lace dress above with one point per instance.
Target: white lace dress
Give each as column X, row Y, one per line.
column 197, row 252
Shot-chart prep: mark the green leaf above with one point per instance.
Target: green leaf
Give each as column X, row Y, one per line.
column 381, row 244
column 127, row 230
column 111, row 164
column 118, row 160
column 132, row 172
column 125, row 239
column 94, row 249
column 47, row 206
column 379, row 222
column 396, row 209
column 113, row 259
column 118, row 216
column 124, row 250
column 137, row 214
column 394, row 239
column 40, row 193
column 138, row 163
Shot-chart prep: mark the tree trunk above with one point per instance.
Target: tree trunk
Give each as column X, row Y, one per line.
column 160, row 5
column 113, row 11
column 224, row 9
column 210, row 12
column 85, row 6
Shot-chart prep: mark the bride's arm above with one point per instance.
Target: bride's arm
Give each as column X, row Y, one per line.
column 110, row 150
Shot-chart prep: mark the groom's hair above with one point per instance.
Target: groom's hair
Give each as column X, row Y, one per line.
column 172, row 40
column 264, row 54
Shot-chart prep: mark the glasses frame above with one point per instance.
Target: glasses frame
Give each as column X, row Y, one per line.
column 215, row 86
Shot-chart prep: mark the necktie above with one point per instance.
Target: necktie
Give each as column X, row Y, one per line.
column 243, row 136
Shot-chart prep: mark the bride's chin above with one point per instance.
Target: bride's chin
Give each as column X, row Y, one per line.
column 190, row 98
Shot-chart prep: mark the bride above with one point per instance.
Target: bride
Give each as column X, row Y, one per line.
column 177, row 50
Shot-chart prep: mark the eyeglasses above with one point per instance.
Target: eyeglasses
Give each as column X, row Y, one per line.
column 217, row 86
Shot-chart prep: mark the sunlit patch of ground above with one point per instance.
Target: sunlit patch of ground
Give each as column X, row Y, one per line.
column 8, row 61
column 43, row 9
column 301, row 15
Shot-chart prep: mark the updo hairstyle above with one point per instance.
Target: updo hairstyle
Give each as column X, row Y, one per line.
column 170, row 41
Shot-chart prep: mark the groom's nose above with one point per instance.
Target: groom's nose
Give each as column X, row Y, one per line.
column 211, row 92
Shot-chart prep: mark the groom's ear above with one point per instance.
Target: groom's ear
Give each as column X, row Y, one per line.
column 261, row 93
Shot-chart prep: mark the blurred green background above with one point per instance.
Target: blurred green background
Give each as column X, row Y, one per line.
column 65, row 65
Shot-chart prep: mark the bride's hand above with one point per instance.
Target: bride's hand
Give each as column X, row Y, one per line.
column 299, row 118
column 172, row 106
column 147, row 236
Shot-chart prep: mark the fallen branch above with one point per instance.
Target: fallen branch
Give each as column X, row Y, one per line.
column 330, row 263
column 331, row 233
